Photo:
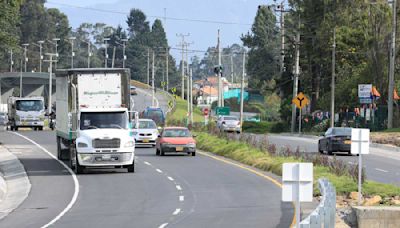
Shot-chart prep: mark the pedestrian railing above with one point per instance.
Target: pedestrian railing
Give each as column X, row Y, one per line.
column 324, row 215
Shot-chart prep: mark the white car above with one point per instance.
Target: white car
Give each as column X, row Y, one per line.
column 145, row 133
column 229, row 123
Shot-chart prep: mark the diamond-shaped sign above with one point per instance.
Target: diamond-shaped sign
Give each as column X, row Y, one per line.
column 300, row 100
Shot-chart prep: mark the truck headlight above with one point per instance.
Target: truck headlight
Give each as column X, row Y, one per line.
column 82, row 145
column 86, row 157
column 130, row 144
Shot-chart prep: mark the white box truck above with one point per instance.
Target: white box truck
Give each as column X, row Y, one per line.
column 26, row 112
column 93, row 119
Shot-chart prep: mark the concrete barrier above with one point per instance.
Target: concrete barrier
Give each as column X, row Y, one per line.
column 379, row 216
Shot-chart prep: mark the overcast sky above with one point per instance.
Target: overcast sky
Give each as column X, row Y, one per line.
column 202, row 34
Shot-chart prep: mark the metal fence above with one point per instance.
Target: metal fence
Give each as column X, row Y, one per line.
column 324, row 215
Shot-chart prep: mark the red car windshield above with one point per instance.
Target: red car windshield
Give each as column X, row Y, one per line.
column 173, row 133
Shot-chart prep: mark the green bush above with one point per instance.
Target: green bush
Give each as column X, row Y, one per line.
column 246, row 154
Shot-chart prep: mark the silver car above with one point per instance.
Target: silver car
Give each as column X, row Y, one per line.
column 229, row 124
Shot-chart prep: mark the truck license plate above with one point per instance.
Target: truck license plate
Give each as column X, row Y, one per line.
column 347, row 142
column 179, row 148
column 106, row 157
column 145, row 140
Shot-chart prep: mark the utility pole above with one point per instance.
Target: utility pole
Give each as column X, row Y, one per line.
column 123, row 51
column 89, row 53
column 105, row 51
column 25, row 57
column 148, row 66
column 56, row 45
column 219, row 73
column 113, row 58
column 41, row 42
column 232, row 68
column 188, row 97
column 242, row 88
column 166, row 66
column 191, row 95
column 11, row 60
column 333, row 78
column 71, row 39
column 182, row 44
column 50, row 79
column 391, row 67
column 152, row 81
column 20, row 79
column 282, row 22
column 296, row 78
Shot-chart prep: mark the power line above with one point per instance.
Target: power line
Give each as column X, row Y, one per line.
column 158, row 17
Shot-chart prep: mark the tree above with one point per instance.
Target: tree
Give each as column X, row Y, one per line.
column 262, row 66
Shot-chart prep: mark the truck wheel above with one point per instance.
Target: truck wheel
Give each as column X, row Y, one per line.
column 59, row 148
column 78, row 168
column 16, row 128
column 40, row 128
column 193, row 153
column 131, row 168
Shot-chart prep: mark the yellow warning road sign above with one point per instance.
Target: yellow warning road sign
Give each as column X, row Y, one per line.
column 300, row 100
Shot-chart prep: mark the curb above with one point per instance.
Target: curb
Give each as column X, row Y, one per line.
column 14, row 182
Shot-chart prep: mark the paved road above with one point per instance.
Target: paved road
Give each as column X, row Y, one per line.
column 170, row 191
column 381, row 165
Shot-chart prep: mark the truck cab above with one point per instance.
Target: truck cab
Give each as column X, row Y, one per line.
column 26, row 112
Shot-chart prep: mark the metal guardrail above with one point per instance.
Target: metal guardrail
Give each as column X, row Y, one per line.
column 325, row 214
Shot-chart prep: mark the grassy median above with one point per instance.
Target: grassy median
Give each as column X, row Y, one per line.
column 179, row 114
column 245, row 153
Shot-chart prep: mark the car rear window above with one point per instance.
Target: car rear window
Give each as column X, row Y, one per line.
column 147, row 125
column 176, row 133
column 230, row 118
column 342, row 131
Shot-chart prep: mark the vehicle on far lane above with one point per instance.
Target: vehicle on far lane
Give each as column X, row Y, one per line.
column 3, row 119
column 176, row 140
column 133, row 90
column 154, row 113
column 336, row 139
column 145, row 133
column 229, row 124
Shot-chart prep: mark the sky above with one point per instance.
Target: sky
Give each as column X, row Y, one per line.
column 201, row 34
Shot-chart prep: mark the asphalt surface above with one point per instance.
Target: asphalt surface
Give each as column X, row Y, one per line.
column 169, row 191
column 381, row 165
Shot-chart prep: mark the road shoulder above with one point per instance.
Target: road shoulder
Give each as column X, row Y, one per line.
column 14, row 182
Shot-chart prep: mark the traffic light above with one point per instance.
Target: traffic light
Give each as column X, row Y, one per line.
column 218, row 69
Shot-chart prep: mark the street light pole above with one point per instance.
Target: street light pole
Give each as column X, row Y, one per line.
column 152, row 81
column 71, row 39
column 25, row 57
column 391, row 67
column 242, row 88
column 51, row 55
column 333, row 79
column 41, row 55
column 166, row 65
column 56, row 44
column 296, row 78
column 11, row 60
column 123, row 51
column 105, row 52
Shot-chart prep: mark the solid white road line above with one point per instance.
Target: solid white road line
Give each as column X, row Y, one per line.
column 177, row 211
column 75, row 179
column 159, row 170
column 382, row 170
column 163, row 225
column 181, row 198
column 179, row 187
column 147, row 163
column 170, row 178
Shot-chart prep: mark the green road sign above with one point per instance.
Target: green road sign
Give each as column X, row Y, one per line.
column 223, row 111
column 173, row 90
column 170, row 104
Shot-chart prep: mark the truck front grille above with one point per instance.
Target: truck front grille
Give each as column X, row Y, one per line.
column 106, row 143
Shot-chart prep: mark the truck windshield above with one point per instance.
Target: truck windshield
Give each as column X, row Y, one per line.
column 95, row 120
column 29, row 105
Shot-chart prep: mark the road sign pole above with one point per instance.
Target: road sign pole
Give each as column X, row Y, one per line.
column 298, row 219
column 300, row 113
column 359, row 178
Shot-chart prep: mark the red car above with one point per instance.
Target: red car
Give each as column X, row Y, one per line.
column 177, row 140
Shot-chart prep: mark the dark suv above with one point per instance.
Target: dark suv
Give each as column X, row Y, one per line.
column 154, row 113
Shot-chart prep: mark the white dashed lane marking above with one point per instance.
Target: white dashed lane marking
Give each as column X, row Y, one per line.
column 179, row 187
column 177, row 211
column 158, row 170
column 163, row 225
column 181, row 198
column 170, row 178
column 147, row 163
column 381, row 170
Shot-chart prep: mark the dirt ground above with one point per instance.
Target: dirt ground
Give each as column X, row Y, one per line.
column 391, row 138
